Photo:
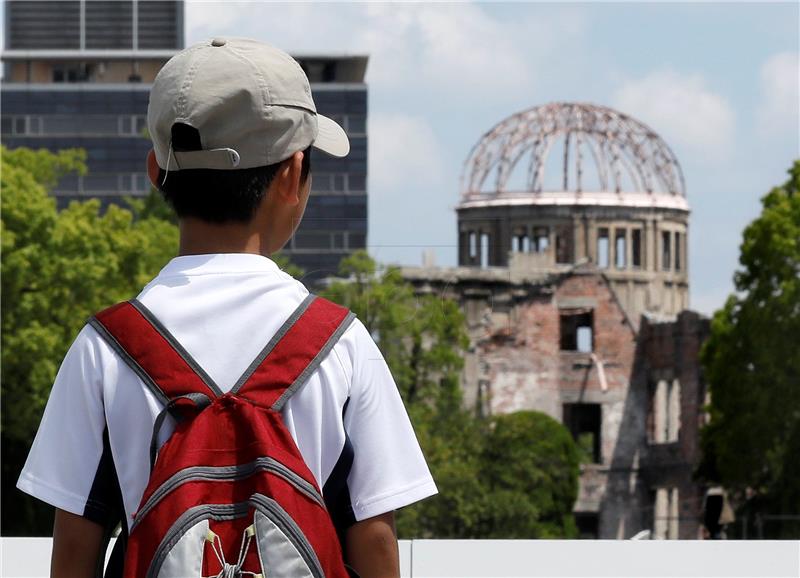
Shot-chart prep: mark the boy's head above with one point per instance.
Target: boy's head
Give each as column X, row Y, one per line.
column 230, row 120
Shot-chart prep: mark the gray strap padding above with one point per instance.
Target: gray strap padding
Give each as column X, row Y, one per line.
column 180, row 349
column 129, row 361
column 314, row 364
column 287, row 325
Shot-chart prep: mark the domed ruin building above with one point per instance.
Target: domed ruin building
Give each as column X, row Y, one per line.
column 573, row 274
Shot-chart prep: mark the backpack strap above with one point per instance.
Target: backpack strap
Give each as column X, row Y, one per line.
column 152, row 352
column 294, row 352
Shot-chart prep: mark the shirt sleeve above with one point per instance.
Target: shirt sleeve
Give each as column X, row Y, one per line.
column 388, row 469
column 69, row 465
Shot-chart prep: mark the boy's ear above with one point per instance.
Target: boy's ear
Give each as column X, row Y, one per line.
column 152, row 167
column 286, row 183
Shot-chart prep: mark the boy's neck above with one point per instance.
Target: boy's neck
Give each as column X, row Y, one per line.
column 201, row 238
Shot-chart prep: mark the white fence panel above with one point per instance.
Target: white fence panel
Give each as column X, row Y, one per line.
column 30, row 558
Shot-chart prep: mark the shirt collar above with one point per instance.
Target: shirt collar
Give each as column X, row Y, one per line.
column 218, row 263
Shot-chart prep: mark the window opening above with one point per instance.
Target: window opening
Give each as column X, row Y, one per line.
column 541, row 237
column 584, row 421
column 636, row 247
column 564, row 245
column 620, row 248
column 602, row 247
column 576, row 331
column 588, row 524
column 520, row 242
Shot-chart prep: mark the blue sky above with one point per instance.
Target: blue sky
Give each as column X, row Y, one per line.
column 718, row 81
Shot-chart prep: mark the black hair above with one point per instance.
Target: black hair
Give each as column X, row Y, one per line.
column 217, row 196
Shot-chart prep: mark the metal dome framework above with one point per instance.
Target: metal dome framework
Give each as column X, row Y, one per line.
column 619, row 146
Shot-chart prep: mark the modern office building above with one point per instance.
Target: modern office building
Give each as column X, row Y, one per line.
column 77, row 73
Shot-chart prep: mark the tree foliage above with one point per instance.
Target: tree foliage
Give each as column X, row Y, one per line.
column 752, row 364
column 531, row 468
column 58, row 268
column 512, row 476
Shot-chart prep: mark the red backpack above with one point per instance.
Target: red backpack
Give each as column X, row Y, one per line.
column 229, row 494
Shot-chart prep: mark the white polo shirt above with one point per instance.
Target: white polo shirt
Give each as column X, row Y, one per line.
column 348, row 419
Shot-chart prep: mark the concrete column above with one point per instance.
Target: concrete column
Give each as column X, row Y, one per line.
column 650, row 246
column 674, row 411
column 579, row 235
column 629, row 248
column 661, row 514
column 660, row 412
column 674, row 514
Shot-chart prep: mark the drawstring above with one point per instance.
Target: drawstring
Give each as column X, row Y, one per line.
column 166, row 170
column 232, row 570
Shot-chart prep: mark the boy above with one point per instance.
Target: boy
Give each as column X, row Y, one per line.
column 232, row 123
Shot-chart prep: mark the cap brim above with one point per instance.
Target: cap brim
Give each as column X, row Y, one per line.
column 331, row 138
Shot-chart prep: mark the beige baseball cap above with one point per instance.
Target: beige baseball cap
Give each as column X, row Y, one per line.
column 250, row 102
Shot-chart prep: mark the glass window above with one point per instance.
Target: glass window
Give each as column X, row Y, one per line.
column 141, row 182
column 356, row 240
column 141, row 124
column 75, row 125
column 321, row 182
column 312, row 240
column 101, row 183
column 68, row 183
column 358, row 182
column 7, row 125
column 338, row 181
column 19, row 125
column 356, row 124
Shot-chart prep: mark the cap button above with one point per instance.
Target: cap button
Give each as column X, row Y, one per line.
column 218, row 42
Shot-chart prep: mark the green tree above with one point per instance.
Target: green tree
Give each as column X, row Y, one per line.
column 752, row 365
column 531, row 469
column 58, row 268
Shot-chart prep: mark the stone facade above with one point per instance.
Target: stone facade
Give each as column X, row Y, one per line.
column 604, row 386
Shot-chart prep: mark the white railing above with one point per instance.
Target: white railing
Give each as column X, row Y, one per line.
column 30, row 558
